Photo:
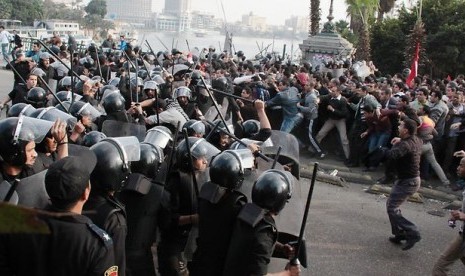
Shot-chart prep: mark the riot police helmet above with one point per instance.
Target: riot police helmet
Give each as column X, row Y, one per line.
column 81, row 109
column 194, row 128
column 19, row 109
column 113, row 102
column 272, row 190
column 159, row 136
column 199, row 148
column 227, row 168
column 16, row 133
column 251, row 128
column 182, row 91
column 151, row 157
column 114, row 157
column 37, row 97
column 93, row 138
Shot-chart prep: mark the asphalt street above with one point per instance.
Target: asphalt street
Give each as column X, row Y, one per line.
column 347, row 230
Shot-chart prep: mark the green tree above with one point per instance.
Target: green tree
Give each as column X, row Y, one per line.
column 61, row 11
column 388, row 44
column 342, row 27
column 385, row 6
column 360, row 12
column 25, row 10
column 7, row 8
column 97, row 7
column 315, row 17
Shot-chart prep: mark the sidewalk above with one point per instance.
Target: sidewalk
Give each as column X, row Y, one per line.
column 358, row 176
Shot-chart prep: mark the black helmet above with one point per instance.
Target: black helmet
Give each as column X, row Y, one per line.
column 227, row 168
column 93, row 138
column 182, row 91
column 21, row 109
column 196, row 78
column 79, row 109
column 136, row 81
column 272, row 190
column 194, row 127
column 37, row 97
column 151, row 85
column 113, row 102
column 158, row 79
column 199, row 148
column 211, row 48
column 240, row 53
column 64, row 96
column 113, row 162
column 65, row 81
column 114, row 82
column 52, row 114
column 16, row 133
column 108, row 87
column 220, row 84
column 251, row 128
column 158, row 136
column 66, row 104
column 151, row 157
column 142, row 73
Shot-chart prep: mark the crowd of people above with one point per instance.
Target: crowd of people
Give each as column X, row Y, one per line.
column 107, row 126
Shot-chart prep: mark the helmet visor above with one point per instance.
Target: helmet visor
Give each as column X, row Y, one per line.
column 129, row 146
column 201, row 148
column 245, row 157
column 158, row 137
column 31, row 129
column 90, row 111
column 52, row 114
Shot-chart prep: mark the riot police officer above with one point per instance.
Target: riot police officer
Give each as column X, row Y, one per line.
column 180, row 184
column 147, row 205
column 219, row 204
column 113, row 168
column 255, row 232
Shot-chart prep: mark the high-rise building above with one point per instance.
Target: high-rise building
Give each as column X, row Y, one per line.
column 177, row 7
column 134, row 11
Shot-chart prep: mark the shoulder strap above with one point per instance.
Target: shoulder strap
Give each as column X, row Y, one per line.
column 103, row 236
column 251, row 214
column 211, row 192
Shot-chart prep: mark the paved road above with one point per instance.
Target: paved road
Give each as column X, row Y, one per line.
column 348, row 230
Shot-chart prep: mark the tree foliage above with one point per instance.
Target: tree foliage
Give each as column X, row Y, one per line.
column 61, row 11
column 25, row 10
column 443, row 52
column 97, row 7
column 6, row 8
column 315, row 16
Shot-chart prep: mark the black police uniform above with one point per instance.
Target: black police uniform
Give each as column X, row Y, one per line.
column 252, row 243
column 218, row 210
column 147, row 205
column 75, row 246
column 109, row 214
column 173, row 240
column 18, row 94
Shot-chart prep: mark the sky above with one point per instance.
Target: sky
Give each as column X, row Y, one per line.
column 276, row 11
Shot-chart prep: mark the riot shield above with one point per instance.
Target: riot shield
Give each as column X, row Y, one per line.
column 76, row 150
column 31, row 191
column 289, row 219
column 5, row 187
column 113, row 128
column 289, row 155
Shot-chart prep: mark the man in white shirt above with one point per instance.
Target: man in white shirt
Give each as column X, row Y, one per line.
column 5, row 42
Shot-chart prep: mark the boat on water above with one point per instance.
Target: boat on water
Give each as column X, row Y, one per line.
column 200, row 33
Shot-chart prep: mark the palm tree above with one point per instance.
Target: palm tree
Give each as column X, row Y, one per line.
column 385, row 6
column 360, row 11
column 314, row 17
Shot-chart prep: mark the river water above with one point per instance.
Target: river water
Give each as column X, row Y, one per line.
column 249, row 45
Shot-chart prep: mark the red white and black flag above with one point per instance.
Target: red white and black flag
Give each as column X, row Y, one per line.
column 414, row 67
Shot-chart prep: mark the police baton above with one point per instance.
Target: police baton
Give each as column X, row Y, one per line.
column 170, row 158
column 276, row 157
column 215, row 104
column 264, row 157
column 11, row 190
column 228, row 94
column 191, row 163
column 295, row 260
